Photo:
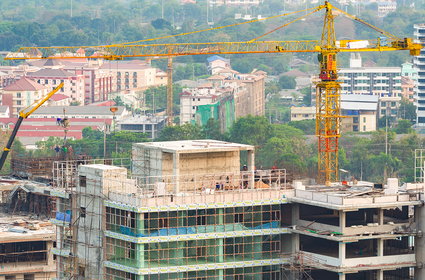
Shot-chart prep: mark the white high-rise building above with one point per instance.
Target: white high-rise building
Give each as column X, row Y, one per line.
column 419, row 63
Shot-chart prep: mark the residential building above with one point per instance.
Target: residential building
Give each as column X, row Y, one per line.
column 192, row 98
column 151, row 125
column 98, row 82
column 187, row 211
column 303, row 113
column 384, row 8
column 409, row 70
column 135, row 75
column 59, row 99
column 21, row 94
column 408, row 88
column 419, row 62
column 52, row 77
column 4, row 111
column 217, row 63
column 6, row 79
column 249, row 96
column 34, row 130
column 388, row 106
column 360, row 113
column 381, row 81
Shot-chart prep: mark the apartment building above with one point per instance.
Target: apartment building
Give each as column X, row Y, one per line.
column 98, row 82
column 419, row 63
column 135, row 75
column 388, row 106
column 303, row 113
column 360, row 113
column 381, row 81
column 22, row 93
column 249, row 93
column 189, row 211
column 74, row 85
column 386, row 7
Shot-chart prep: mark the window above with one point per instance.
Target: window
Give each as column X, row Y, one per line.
column 18, row 102
column 18, row 95
column 83, row 212
column 238, row 218
column 46, row 81
column 29, row 277
column 10, row 277
column 83, row 181
column 364, row 128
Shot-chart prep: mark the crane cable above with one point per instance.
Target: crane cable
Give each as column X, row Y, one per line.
column 383, row 32
column 209, row 29
column 286, row 24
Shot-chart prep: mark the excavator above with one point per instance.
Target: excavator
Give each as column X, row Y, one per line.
column 23, row 114
column 328, row 112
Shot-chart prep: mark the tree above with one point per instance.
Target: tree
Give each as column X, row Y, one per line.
column 180, row 132
column 252, row 130
column 407, row 110
column 287, row 82
column 403, row 127
column 307, row 126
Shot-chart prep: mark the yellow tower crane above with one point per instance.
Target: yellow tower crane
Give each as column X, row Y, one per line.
column 328, row 112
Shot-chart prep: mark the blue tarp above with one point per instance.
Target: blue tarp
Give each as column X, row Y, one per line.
column 63, row 217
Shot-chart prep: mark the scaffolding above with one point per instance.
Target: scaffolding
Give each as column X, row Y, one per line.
column 112, row 225
column 419, row 165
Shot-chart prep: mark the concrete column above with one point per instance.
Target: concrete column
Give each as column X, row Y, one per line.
column 220, row 242
column 341, row 276
column 176, row 171
column 251, row 166
column 341, row 252
column 380, row 245
column 140, row 248
column 342, row 220
column 380, row 275
column 49, row 246
column 420, row 241
column 380, row 216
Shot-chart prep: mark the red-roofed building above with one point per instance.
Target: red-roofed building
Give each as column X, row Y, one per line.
column 34, row 130
column 73, row 82
column 22, row 94
column 59, row 99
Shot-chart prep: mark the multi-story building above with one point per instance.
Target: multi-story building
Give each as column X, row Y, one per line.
column 419, row 62
column 52, row 77
column 381, row 81
column 360, row 113
column 135, row 75
column 151, row 125
column 303, row 113
column 249, row 90
column 22, row 94
column 386, row 7
column 187, row 211
column 98, row 82
column 388, row 106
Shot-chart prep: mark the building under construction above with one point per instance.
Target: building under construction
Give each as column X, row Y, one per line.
column 187, row 210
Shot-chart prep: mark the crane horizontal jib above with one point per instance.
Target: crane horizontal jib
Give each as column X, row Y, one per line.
column 148, row 50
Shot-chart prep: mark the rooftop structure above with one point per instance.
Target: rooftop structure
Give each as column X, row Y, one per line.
column 151, row 125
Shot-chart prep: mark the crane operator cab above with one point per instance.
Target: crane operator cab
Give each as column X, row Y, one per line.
column 328, row 70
